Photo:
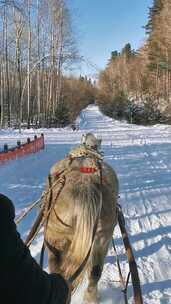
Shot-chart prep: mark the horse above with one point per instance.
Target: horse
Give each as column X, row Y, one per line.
column 83, row 215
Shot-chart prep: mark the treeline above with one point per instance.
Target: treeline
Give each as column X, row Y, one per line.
column 136, row 85
column 77, row 94
column 37, row 46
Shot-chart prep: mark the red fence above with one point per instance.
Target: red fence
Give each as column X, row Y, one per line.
column 21, row 150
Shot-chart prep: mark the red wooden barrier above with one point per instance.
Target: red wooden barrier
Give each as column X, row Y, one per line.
column 30, row 147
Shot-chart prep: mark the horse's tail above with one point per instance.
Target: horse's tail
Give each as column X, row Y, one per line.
column 87, row 200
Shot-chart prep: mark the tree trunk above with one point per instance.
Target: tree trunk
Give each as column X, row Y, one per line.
column 7, row 67
column 28, row 65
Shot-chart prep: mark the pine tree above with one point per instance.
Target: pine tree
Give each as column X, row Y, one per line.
column 114, row 55
column 61, row 115
column 127, row 51
column 153, row 12
column 154, row 31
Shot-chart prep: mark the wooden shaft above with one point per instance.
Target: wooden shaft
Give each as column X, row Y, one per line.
column 35, row 226
column 131, row 260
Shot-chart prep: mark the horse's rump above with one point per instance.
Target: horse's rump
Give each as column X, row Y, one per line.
column 84, row 200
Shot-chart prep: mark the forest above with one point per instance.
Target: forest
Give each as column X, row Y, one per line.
column 136, row 84
column 38, row 49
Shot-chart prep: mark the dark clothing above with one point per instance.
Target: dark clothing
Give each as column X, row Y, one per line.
column 22, row 281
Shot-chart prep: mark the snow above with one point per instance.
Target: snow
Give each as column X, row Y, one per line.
column 141, row 157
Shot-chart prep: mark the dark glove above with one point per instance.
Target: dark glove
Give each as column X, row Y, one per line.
column 7, row 211
column 22, row 279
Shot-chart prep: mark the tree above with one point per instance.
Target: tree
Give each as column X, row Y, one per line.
column 154, row 11
column 36, row 46
column 127, row 51
column 61, row 115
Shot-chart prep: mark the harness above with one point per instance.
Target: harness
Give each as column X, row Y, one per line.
column 45, row 211
column 48, row 206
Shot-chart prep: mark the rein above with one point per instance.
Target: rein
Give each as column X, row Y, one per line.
column 83, row 264
column 43, row 216
column 41, row 219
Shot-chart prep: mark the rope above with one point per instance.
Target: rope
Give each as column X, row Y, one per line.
column 40, row 219
column 29, row 208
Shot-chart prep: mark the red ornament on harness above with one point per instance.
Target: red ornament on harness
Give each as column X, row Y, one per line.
column 88, row 170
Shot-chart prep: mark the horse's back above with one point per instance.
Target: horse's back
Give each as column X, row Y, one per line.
column 106, row 181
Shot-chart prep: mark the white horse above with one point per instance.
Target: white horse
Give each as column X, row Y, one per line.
column 81, row 223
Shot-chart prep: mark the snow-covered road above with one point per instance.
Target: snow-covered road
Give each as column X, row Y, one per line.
column 141, row 157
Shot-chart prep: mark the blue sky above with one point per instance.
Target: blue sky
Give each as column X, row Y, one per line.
column 107, row 25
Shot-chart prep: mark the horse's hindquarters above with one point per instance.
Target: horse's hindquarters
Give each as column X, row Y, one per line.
column 83, row 219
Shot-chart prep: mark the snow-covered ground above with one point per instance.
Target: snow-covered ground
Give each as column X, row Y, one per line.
column 141, row 157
